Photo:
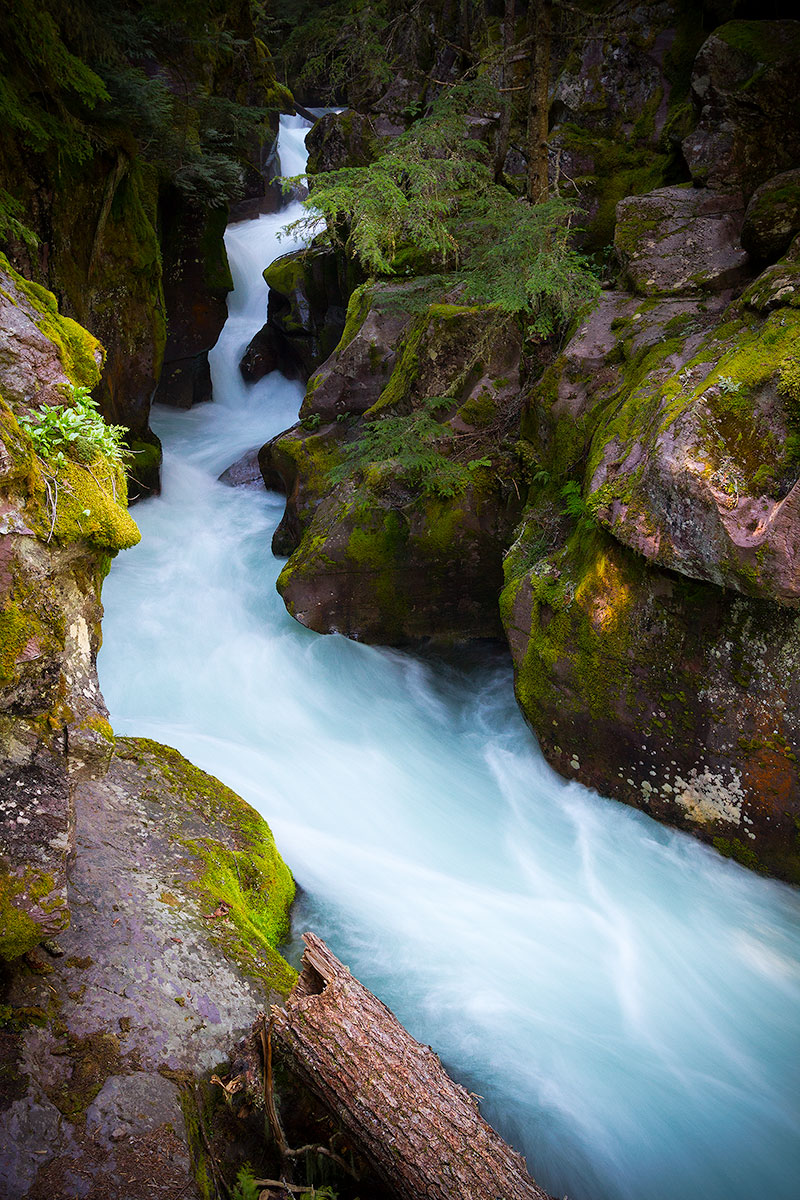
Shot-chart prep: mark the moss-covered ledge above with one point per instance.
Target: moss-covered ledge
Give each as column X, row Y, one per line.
column 179, row 900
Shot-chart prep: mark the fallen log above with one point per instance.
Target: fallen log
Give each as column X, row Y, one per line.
column 421, row 1132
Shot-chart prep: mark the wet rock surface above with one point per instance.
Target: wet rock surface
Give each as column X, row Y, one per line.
column 245, row 472
column 656, row 457
column 154, row 981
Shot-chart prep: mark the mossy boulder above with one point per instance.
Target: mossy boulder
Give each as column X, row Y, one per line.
column 309, row 290
column 772, row 218
column 61, row 524
column 42, row 352
column 179, row 903
column 620, row 109
column 676, row 697
column 346, row 139
column 608, row 354
column 777, row 287
column 299, row 463
column 744, row 87
column 697, row 468
column 680, row 240
column 354, row 376
column 402, row 544
column 601, row 172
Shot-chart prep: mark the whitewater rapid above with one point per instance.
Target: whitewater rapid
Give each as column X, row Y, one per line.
column 625, row 1000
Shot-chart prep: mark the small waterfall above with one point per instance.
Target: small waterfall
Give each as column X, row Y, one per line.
column 625, row 1000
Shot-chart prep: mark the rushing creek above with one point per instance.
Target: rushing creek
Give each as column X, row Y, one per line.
column 626, row 1001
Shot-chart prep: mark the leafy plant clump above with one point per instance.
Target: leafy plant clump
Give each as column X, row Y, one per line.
column 74, row 430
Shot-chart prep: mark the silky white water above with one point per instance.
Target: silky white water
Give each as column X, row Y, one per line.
column 625, row 1000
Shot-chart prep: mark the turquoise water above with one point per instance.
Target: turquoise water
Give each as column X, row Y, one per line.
column 625, row 1001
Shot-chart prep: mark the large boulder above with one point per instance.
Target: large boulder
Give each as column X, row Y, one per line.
column 397, row 521
column 772, row 218
column 744, row 86
column 697, row 470
column 308, row 295
column 620, row 110
column 346, row 139
column 353, row 377
column 179, row 900
column 678, row 698
column 60, row 524
column 681, row 239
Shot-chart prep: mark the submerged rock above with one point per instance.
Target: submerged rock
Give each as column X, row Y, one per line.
column 244, row 472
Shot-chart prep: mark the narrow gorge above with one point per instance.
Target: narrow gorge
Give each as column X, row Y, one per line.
column 418, row 458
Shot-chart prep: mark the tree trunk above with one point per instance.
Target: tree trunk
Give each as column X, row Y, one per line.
column 421, row 1131
column 539, row 100
column 509, row 18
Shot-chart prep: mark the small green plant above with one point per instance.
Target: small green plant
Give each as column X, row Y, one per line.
column 728, row 386
column 245, row 1187
column 414, row 444
column 576, row 507
column 74, row 430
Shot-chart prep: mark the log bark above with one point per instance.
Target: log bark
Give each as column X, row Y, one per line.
column 420, row 1131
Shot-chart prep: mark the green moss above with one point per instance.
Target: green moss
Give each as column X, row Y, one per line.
column 249, row 877
column 734, row 848
column 216, row 268
column 95, row 1058
column 90, row 506
column 479, row 411
column 285, row 273
column 145, row 465
column 197, row 1107
column 19, row 933
column 406, row 370
column 765, row 41
column 380, row 548
column 21, row 628
column 80, row 353
column 358, row 306
column 745, row 350
column 620, row 169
